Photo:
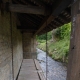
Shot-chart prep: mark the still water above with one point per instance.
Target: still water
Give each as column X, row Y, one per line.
column 56, row 70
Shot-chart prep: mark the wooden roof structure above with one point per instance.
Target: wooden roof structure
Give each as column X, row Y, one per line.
column 33, row 15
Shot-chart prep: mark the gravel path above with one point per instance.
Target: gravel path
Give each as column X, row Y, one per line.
column 56, row 70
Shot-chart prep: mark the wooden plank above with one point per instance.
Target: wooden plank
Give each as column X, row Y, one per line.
column 37, row 65
column 74, row 54
column 39, row 2
column 61, row 7
column 64, row 18
column 28, row 70
column 39, row 70
column 58, row 9
column 49, row 19
column 42, row 77
column 26, row 9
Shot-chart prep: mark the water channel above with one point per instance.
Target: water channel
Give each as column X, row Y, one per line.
column 56, row 70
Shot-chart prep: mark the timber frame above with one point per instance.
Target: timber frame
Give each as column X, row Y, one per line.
column 59, row 13
column 33, row 14
column 74, row 54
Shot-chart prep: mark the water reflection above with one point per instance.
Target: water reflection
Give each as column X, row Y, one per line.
column 56, row 70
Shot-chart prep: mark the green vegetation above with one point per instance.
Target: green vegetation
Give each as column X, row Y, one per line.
column 63, row 31
column 43, row 37
column 59, row 49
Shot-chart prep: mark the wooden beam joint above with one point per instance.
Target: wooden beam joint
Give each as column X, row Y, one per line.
column 56, row 11
column 26, row 9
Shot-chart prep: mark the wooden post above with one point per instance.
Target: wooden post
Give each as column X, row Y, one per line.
column 27, row 9
column 74, row 56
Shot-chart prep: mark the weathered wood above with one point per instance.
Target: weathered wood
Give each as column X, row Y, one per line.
column 49, row 19
column 26, row 28
column 74, row 54
column 64, row 18
column 26, row 9
column 39, row 70
column 29, row 72
column 37, row 65
column 41, row 76
column 58, row 9
column 39, row 2
column 61, row 7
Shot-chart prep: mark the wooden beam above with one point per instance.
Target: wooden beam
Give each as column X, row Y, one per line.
column 27, row 28
column 58, row 9
column 27, row 9
column 63, row 18
column 27, row 31
column 38, row 2
column 49, row 19
column 74, row 53
column 63, row 5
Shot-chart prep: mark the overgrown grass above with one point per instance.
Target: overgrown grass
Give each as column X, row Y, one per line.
column 42, row 45
column 57, row 50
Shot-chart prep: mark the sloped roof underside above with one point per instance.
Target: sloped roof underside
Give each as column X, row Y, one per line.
column 57, row 13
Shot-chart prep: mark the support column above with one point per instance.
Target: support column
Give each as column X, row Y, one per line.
column 29, row 46
column 74, row 56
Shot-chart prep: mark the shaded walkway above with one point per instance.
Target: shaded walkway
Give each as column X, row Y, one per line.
column 31, row 70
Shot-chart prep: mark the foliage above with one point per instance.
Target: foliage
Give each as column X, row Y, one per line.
column 42, row 45
column 43, row 37
column 58, row 50
column 63, row 31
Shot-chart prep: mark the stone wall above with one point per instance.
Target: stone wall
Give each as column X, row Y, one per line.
column 29, row 46
column 6, row 72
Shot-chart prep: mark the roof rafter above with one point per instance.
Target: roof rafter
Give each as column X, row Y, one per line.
column 39, row 2
column 26, row 28
column 58, row 9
